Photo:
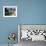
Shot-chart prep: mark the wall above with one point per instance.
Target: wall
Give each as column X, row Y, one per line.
column 7, row 25
column 29, row 12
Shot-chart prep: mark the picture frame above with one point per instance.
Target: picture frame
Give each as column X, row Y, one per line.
column 9, row 11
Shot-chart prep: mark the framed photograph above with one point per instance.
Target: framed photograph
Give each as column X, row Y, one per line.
column 9, row 11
